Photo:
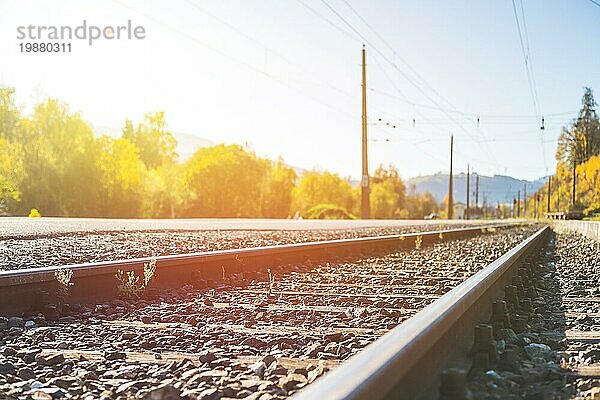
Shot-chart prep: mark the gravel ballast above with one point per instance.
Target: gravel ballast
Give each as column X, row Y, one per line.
column 550, row 349
column 260, row 335
column 82, row 247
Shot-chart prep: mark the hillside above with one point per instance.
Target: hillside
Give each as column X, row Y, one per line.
column 496, row 189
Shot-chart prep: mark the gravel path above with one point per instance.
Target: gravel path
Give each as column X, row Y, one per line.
column 261, row 335
column 553, row 348
column 18, row 253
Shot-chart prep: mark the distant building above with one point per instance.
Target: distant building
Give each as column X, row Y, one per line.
column 476, row 213
column 459, row 210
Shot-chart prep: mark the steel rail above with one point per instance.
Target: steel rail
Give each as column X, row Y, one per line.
column 24, row 289
column 406, row 362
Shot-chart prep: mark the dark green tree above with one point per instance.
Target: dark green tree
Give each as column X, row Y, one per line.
column 581, row 140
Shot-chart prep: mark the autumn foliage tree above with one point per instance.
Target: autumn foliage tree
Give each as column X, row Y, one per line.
column 581, row 140
column 579, row 147
column 53, row 161
column 322, row 188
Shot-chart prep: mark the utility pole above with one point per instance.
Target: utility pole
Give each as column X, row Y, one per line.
column 557, row 194
column 525, row 200
column 485, row 205
column 468, row 194
column 549, row 193
column 518, row 204
column 450, row 199
column 476, row 191
column 574, row 182
column 365, row 208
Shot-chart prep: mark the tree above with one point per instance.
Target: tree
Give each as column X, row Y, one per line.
column 322, row 188
column 277, row 190
column 9, row 114
column 163, row 196
column 419, row 205
column 121, row 178
column 428, row 204
column 223, row 181
column 580, row 141
column 58, row 157
column 589, row 184
column 387, row 195
column 156, row 144
column 11, row 166
column 10, row 175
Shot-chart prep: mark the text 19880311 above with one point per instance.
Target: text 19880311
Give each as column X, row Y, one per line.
column 45, row 47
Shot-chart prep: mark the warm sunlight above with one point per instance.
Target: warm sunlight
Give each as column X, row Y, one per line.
column 299, row 199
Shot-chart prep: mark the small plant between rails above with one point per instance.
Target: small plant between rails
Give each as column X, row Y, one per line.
column 130, row 285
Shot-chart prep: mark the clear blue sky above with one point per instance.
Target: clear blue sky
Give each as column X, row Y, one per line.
column 275, row 74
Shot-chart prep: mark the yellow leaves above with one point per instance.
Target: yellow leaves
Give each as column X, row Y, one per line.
column 384, row 200
column 322, row 188
column 11, row 167
column 120, row 163
column 224, row 181
column 155, row 143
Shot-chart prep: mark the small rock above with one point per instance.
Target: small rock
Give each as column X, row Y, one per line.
column 209, row 394
column 39, row 395
column 292, row 381
column 508, row 335
column 9, row 351
column 7, row 368
column 539, row 350
column 276, row 369
column 316, row 373
column 258, row 368
column 163, row 392
column 63, row 382
column 46, row 393
column 114, row 355
column 207, row 357
column 16, row 322
column 50, row 360
column 269, row 359
column 254, row 342
column 333, row 337
column 26, row 373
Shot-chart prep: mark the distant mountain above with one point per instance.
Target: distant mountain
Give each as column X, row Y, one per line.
column 186, row 144
column 495, row 189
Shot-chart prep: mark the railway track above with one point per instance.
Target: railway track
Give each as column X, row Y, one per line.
column 263, row 323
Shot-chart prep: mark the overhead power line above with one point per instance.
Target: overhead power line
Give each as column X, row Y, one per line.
column 329, row 22
column 395, row 66
column 526, row 61
column 529, row 71
column 398, row 56
column 595, row 2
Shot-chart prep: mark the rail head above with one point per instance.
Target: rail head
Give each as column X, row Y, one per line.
column 381, row 366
